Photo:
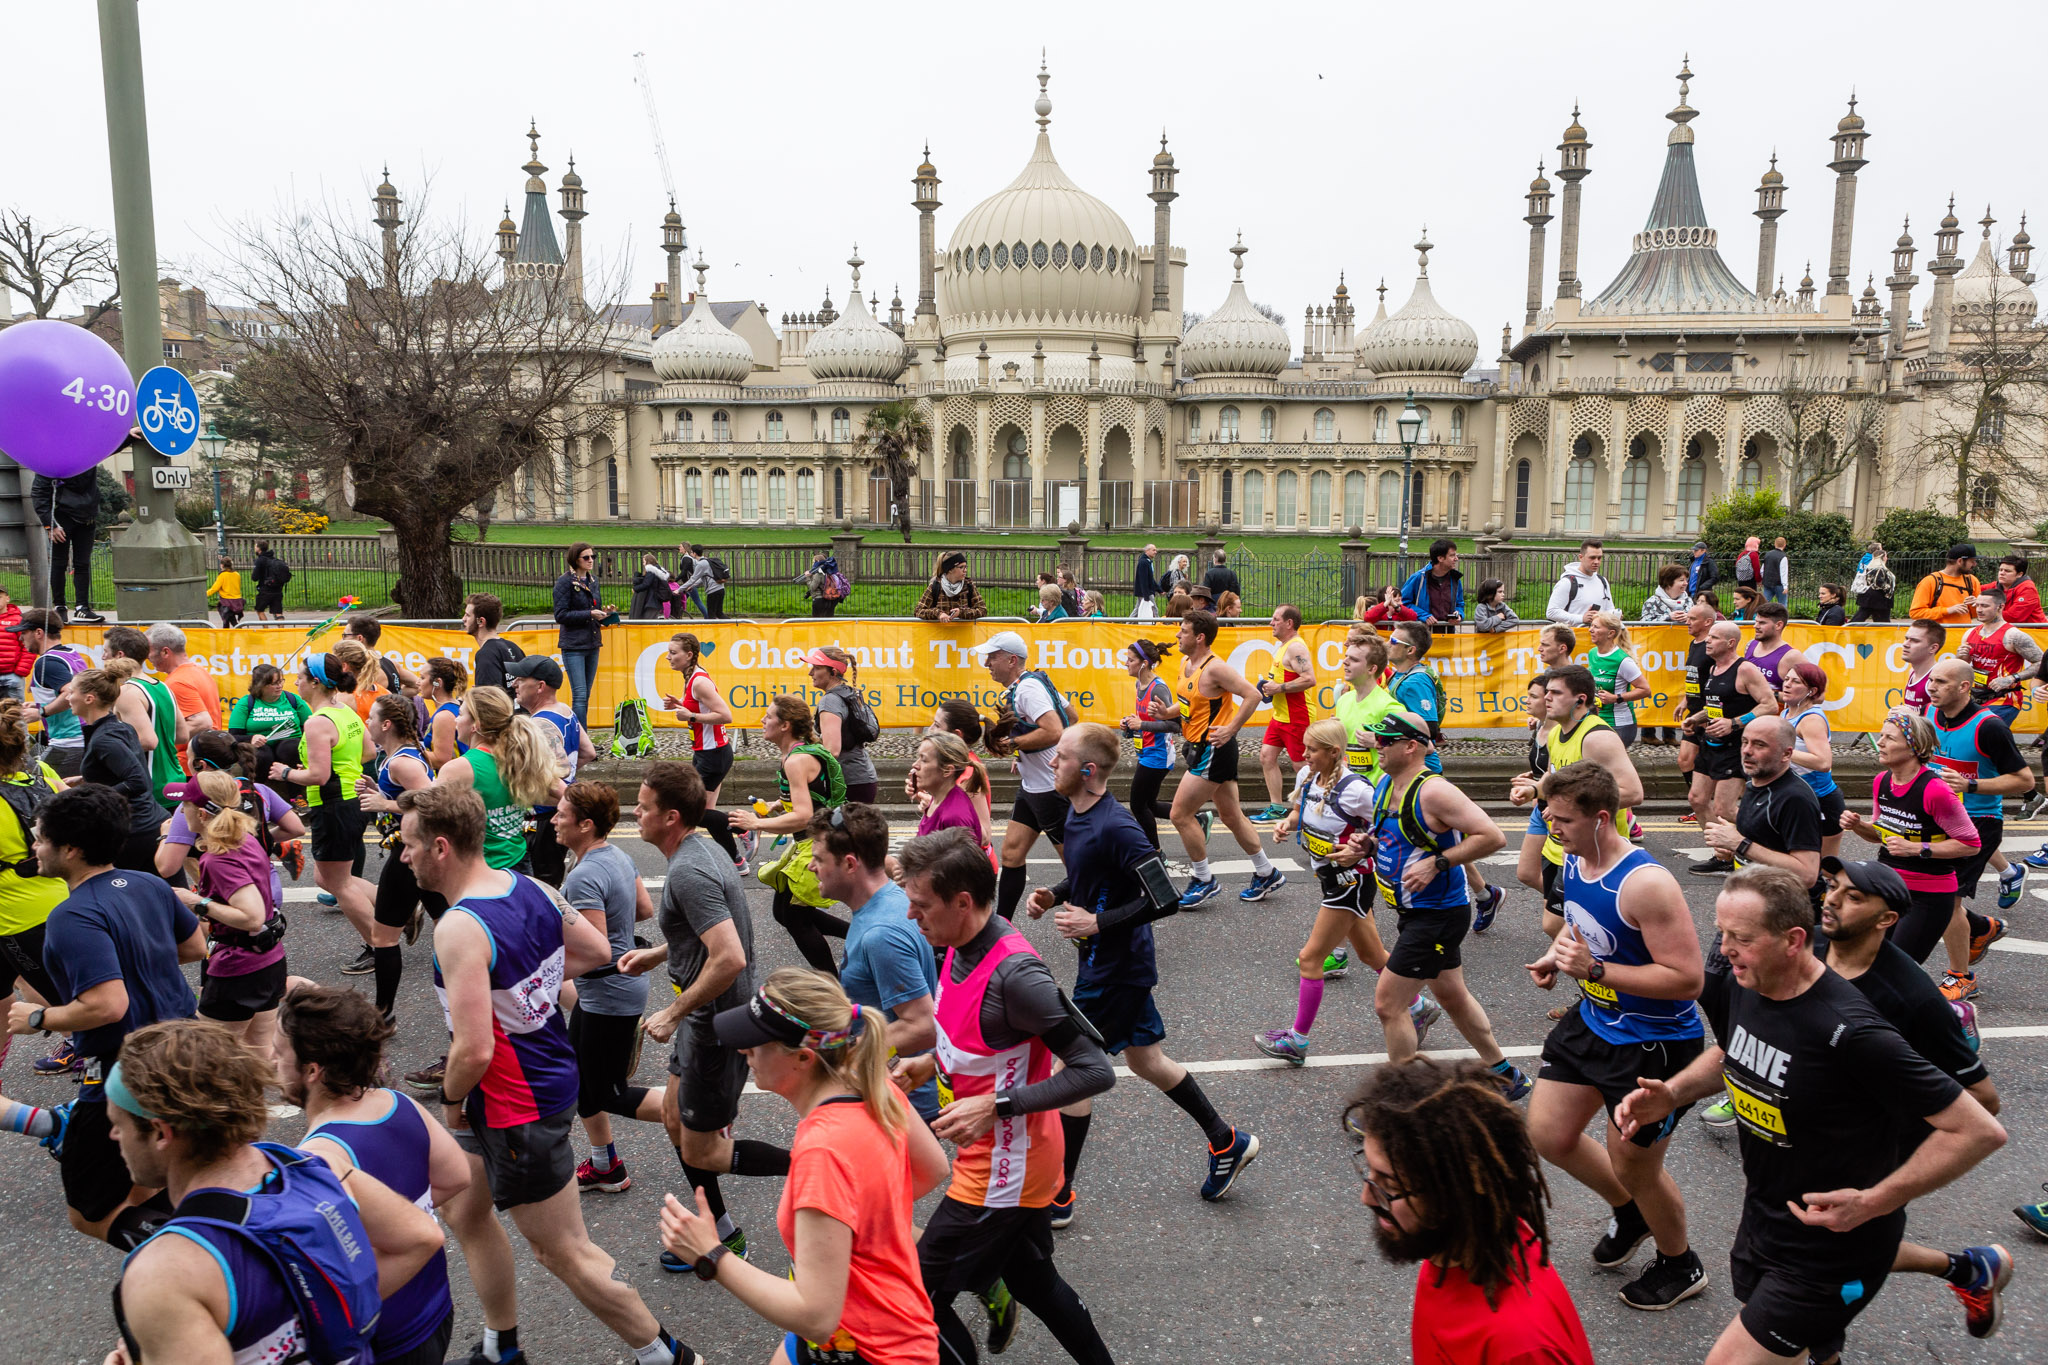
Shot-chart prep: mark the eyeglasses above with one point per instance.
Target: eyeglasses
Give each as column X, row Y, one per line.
column 1382, row 1197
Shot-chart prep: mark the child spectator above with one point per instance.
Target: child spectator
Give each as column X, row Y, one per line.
column 1390, row 607
column 1491, row 614
column 226, row 593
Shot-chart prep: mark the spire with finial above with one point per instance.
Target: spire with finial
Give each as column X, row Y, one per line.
column 1043, row 104
column 1684, row 113
column 856, row 262
column 1237, row 257
column 533, row 168
column 1987, row 220
column 1423, row 247
column 702, row 269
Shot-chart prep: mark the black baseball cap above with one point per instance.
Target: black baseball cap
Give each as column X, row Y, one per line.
column 1872, row 879
column 1394, row 725
column 539, row 667
column 761, row 1020
column 1962, row 551
column 38, row 618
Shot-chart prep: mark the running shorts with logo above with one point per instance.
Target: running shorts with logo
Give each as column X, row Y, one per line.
column 1788, row 1313
column 1212, row 762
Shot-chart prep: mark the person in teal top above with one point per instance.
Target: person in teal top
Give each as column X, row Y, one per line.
column 509, row 764
column 269, row 717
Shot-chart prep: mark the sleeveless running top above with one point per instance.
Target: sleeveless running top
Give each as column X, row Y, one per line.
column 828, row 788
column 702, row 736
column 1290, row 708
column 1697, row 665
column 394, row 1150
column 62, row 728
column 1915, row 698
column 1358, row 714
column 1770, row 664
column 1400, row 831
column 166, row 764
column 1725, row 701
column 1961, row 751
column 1017, row 1164
column 1562, row 750
column 1903, row 811
column 1990, row 655
column 1823, row 784
column 532, row 1073
column 1155, row 747
column 389, row 789
column 571, row 731
column 263, row 1318
column 504, row 822
column 1606, row 670
column 1593, row 907
column 1197, row 713
column 450, row 708
column 1330, row 814
column 345, row 763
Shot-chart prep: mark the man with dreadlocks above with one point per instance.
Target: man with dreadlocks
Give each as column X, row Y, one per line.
column 1454, row 1182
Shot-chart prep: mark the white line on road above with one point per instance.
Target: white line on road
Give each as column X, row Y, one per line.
column 2023, row 945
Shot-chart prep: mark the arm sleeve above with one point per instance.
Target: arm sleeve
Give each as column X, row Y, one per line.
column 1031, row 1006
column 1997, row 743
column 1171, row 725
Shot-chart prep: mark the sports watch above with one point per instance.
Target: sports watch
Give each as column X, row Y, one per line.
column 706, row 1267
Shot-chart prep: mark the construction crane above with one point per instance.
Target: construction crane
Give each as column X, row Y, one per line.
column 646, row 84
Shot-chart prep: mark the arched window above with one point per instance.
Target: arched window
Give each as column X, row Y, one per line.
column 1578, row 493
column 778, row 496
column 806, row 497
column 842, row 425
column 1457, row 426
column 1388, row 512
column 1226, row 481
column 1254, row 498
column 685, row 425
column 774, row 425
column 1379, row 425
column 838, row 495
column 1265, row 424
column 1226, row 425
column 611, row 486
column 1319, row 499
column 1326, row 425
column 1286, row 498
column 1692, row 492
column 1522, row 472
column 721, row 495
column 721, row 426
column 1750, row 477
column 1017, row 460
column 1415, row 499
column 1194, row 425
column 1422, row 434
column 963, row 454
column 693, row 494
column 1984, row 492
column 1354, row 499
column 1635, row 495
column 1454, row 507
column 750, row 496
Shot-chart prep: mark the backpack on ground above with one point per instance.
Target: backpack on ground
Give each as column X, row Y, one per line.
column 312, row 1236
column 719, row 572
column 26, row 800
column 632, row 732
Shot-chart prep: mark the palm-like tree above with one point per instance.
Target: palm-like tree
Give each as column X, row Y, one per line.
column 897, row 436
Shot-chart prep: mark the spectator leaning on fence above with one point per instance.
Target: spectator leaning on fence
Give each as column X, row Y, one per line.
column 1389, row 607
column 2022, row 597
column 1670, row 600
column 1436, row 593
column 1830, row 612
column 1581, row 589
column 1491, row 614
column 1700, row 575
column 1948, row 595
column 951, row 595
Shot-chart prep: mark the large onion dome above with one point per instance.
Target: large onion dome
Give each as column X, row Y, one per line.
column 855, row 346
column 1423, row 338
column 1237, row 339
column 700, row 349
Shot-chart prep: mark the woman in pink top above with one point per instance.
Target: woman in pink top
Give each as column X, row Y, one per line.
column 1920, row 827
column 245, row 970
column 942, row 760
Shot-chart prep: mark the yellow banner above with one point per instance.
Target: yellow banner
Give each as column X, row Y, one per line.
column 907, row 667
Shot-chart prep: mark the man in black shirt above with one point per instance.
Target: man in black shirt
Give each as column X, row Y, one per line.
column 1221, row 578
column 1819, row 1078
column 480, row 616
column 1777, row 822
column 1864, row 900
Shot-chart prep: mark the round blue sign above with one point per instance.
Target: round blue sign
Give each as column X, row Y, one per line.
column 167, row 410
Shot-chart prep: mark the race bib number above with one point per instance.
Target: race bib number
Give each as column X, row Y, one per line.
column 1714, row 711
column 1319, row 845
column 1600, row 991
column 1757, row 1113
column 1980, row 678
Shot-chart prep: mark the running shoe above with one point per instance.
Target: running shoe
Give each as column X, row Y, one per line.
column 2038, row 858
column 1423, row 1013
column 86, row 616
column 415, row 925
column 1276, row 811
column 1515, row 1082
column 2035, row 1216
column 1482, row 918
column 1198, row 892
column 2012, row 884
column 1227, row 1165
column 745, row 841
column 1966, row 1015
column 511, row 1355
column 1263, row 887
column 611, row 1180
column 1993, row 1267
column 292, row 853
column 1669, row 1280
column 1719, row 1114
column 1284, row 1044
column 676, row 1265
column 1063, row 1210
column 1626, row 1231
column 1688, row 819
column 365, row 962
column 63, row 1058
column 430, row 1076
column 1337, row 963
column 2034, row 802
column 1710, row 867
column 327, row 899
column 54, row 1140
column 1980, row 944
column 1954, row 988
column 1635, row 829
column 1207, row 820
column 1005, row 1316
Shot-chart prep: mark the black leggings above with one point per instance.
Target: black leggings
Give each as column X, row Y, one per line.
column 718, row 825
column 398, row 894
column 138, row 854
column 1035, row 1283
column 808, row 925
column 1145, row 806
column 607, row 1051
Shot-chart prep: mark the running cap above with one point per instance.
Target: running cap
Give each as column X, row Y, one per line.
column 189, row 791
column 1395, row 726
column 39, row 618
column 818, row 658
column 539, row 667
column 1872, row 879
column 761, row 1020
column 1005, row 642
column 1962, row 550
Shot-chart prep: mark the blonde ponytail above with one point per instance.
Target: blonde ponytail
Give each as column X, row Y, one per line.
column 861, row 1064
column 526, row 763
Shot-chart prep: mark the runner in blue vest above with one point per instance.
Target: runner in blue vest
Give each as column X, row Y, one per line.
column 1416, row 688
column 1975, row 755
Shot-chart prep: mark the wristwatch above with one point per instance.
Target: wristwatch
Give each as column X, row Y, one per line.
column 1006, row 1105
column 1971, row 786
column 449, row 1101
column 1597, row 970
column 707, row 1264
column 1742, row 849
column 1443, row 864
column 35, row 1018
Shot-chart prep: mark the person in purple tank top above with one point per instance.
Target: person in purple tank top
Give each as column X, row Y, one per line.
column 1768, row 651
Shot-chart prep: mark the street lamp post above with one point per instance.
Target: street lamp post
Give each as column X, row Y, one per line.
column 1410, row 423
column 215, row 444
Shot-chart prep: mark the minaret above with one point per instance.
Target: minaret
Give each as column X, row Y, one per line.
column 896, row 309
column 388, row 222
column 508, row 240
column 1571, row 168
column 674, row 241
column 1947, row 263
column 1536, row 217
column 573, row 215
column 1849, row 139
column 1901, row 282
column 1162, row 196
column 2021, row 253
column 1343, row 312
column 1770, row 207
column 926, row 202
column 1806, row 290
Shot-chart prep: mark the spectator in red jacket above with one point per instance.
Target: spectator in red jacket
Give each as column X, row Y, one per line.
column 2022, row 597
column 15, row 661
column 1390, row 607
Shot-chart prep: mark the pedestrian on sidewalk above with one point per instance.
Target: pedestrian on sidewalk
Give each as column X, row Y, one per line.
column 1700, row 574
column 270, row 575
column 1145, row 587
column 1777, row 575
column 226, row 592
column 1874, row 586
column 69, row 510
column 1220, row 578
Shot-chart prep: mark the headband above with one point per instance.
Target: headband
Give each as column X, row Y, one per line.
column 316, row 668
column 119, row 1093
column 794, row 1032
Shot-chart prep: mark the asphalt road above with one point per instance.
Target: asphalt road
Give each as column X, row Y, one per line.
column 1284, row 1269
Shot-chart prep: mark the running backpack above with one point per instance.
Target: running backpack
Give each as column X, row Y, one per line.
column 632, row 732
column 719, row 572
column 26, row 800
column 312, row 1236
column 1059, row 702
column 859, row 726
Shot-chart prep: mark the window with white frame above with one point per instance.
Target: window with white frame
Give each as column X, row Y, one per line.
column 778, row 496
column 721, row 495
column 1457, row 426
column 1635, row 495
column 750, row 495
column 721, row 426
column 774, row 425
column 1319, row 499
column 1388, row 512
column 1578, row 494
column 1354, row 499
column 1286, row 497
column 842, row 425
column 1194, row 424
column 806, row 497
column 1265, row 424
column 1226, row 424
column 1379, row 425
column 1692, row 493
column 1254, row 498
column 1326, row 425
column 686, row 425
column 693, row 494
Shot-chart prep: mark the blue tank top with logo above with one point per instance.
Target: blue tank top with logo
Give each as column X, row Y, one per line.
column 1960, row 751
column 1593, row 907
column 532, row 1072
column 1399, row 832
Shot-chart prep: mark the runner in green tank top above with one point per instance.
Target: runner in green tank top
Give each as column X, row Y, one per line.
column 166, row 764
column 330, row 753
column 346, row 765
column 1361, row 703
column 1616, row 674
column 799, row 901
column 504, row 819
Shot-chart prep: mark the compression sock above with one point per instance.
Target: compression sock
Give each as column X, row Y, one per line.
column 660, row 1351
column 1200, row 867
column 1189, row 1096
column 604, row 1158
column 390, row 966
column 1262, row 866
column 752, row 1158
column 1960, row 1272
column 1010, row 890
column 1306, row 1005
column 699, row 1178
column 500, row 1342
column 1074, row 1131
column 16, row 1117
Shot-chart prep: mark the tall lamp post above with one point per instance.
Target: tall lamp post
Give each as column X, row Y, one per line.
column 215, row 444
column 1410, row 423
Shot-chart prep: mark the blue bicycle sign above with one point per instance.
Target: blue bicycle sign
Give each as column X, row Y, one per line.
column 168, row 410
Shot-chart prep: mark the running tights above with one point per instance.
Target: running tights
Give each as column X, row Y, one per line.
column 718, row 825
column 1037, row 1285
column 808, row 925
column 1145, row 805
column 1010, row 886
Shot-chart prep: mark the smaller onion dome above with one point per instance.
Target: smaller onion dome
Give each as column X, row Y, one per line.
column 1236, row 339
column 700, row 349
column 1577, row 132
column 855, row 346
column 1541, row 184
column 1986, row 296
column 1423, row 338
column 1164, row 158
column 1852, row 121
column 506, row 224
column 1774, row 176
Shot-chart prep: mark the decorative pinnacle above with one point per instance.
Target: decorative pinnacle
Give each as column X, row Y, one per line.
column 1237, row 253
column 1422, row 249
column 1043, row 104
column 1382, row 289
column 856, row 262
column 1987, row 220
column 700, row 268
column 533, row 166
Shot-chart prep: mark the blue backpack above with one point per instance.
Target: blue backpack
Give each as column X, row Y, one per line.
column 312, row 1236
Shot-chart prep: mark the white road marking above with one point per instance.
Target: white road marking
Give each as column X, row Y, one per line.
column 2035, row 946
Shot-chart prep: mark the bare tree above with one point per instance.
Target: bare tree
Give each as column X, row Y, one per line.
column 1820, row 449
column 43, row 263
column 425, row 392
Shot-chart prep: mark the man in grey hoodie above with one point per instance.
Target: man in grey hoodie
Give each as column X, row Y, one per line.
column 1581, row 589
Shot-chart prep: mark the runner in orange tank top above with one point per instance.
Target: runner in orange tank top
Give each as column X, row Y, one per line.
column 1290, row 689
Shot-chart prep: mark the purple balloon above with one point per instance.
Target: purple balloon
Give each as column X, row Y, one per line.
column 66, row 400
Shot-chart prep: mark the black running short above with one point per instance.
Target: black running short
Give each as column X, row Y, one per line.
column 1718, row 762
column 1788, row 1312
column 1831, row 808
column 337, row 833
column 607, row 1053
column 1574, row 1054
column 1347, row 888
column 1125, row 1016
column 1212, row 762
column 526, row 1163
column 96, row 1179
column 1045, row 812
column 1553, row 888
column 1430, row 942
column 1991, row 830
column 544, row 852
column 968, row 1246
column 709, row 1078
column 712, row 765
column 238, row 999
column 399, row 895
column 270, row 599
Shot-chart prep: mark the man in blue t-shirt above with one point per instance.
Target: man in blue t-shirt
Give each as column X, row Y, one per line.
column 113, row 948
column 1415, row 687
column 889, row 966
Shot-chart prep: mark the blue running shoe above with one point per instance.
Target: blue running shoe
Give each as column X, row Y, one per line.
column 327, row 899
column 1483, row 919
column 1422, row 1014
column 1993, row 1271
column 2035, row 1216
column 2038, row 858
column 62, row 1059
column 2012, row 884
column 1284, row 1044
column 55, row 1140
column 1263, row 887
column 1514, row 1081
column 1198, row 892
column 1227, row 1165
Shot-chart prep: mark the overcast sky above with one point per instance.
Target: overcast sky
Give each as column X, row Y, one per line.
column 1328, row 135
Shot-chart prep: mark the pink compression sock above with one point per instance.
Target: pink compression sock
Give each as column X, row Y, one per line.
column 1311, row 1000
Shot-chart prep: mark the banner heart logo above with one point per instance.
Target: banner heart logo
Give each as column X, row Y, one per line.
column 1865, row 651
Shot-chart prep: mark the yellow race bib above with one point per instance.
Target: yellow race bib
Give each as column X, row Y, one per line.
column 1756, row 1113
column 1602, row 992
column 1317, row 844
